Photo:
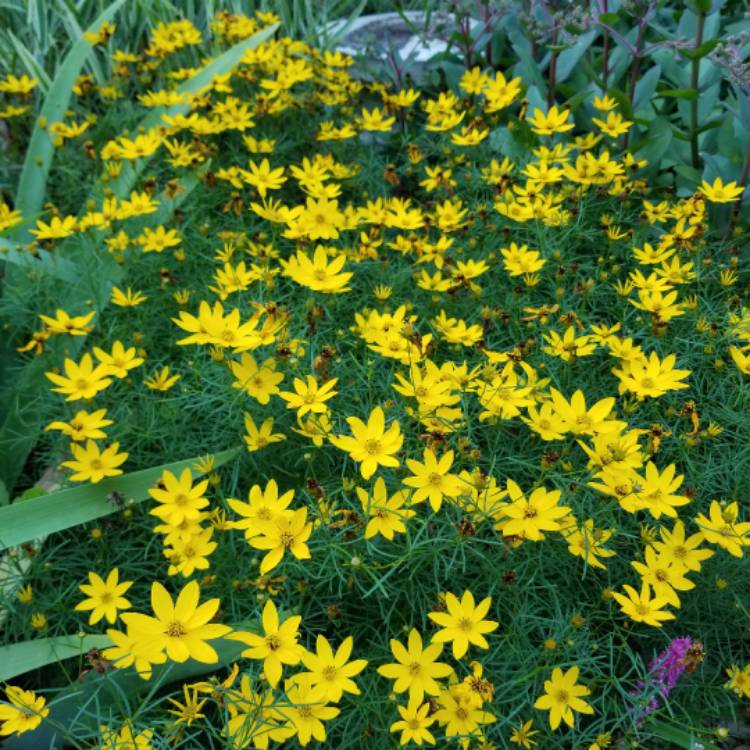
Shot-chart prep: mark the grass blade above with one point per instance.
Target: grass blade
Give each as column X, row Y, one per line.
column 30, row 519
column 33, row 68
column 23, row 657
column 32, row 185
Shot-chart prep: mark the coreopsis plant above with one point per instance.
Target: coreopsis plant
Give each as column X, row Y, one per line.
column 368, row 412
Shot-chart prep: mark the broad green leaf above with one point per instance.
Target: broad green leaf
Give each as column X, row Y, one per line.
column 743, row 107
column 569, row 58
column 110, row 687
column 22, row 522
column 19, row 658
column 645, row 87
column 32, row 186
column 690, row 94
column 678, row 736
column 608, row 18
column 42, row 261
column 222, row 64
column 689, row 173
column 701, row 51
column 4, row 496
column 658, row 138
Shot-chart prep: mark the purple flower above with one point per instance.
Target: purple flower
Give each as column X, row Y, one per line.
column 664, row 673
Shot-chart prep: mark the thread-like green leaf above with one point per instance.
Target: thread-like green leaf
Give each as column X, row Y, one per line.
column 21, row 417
column 23, row 521
column 222, row 64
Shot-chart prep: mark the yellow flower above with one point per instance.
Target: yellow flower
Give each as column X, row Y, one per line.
column 718, row 192
column 105, row 597
column 332, row 672
column 180, row 628
column 161, row 380
column 319, row 274
column 386, row 515
column 308, row 397
column 288, row 531
column 190, row 711
column 522, row 734
column 119, row 361
column 256, row 438
column 178, row 499
column 562, row 696
column 416, row 669
column 264, row 505
column 721, row 527
column 277, row 646
column 463, row 623
column 127, row 298
column 371, row 445
column 83, row 426
column 77, row 325
column 308, row 710
column 57, row 228
column 553, row 122
column 415, row 722
column 92, row 464
column 259, row 381
column 651, row 377
column 263, row 178
column 528, row 517
column 80, row 380
column 23, row 712
column 642, row 607
column 615, row 125
column 432, row 479
column 159, row 239
column 125, row 739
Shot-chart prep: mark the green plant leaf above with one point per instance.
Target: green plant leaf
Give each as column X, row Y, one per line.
column 42, row 261
column 23, row 657
column 570, row 57
column 701, row 51
column 608, row 18
column 658, row 139
column 22, row 522
column 678, row 736
column 623, row 102
column 690, row 94
column 645, row 87
column 32, row 186
column 33, row 68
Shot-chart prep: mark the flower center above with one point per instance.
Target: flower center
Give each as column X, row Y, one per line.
column 176, row 630
column 372, row 447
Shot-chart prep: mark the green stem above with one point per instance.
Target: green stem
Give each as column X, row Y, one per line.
column 694, row 85
column 735, row 214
